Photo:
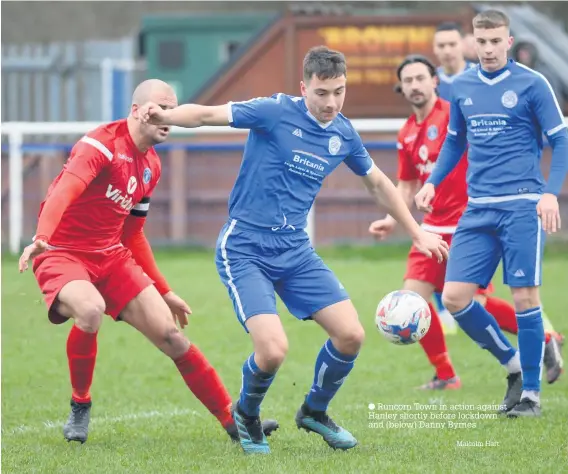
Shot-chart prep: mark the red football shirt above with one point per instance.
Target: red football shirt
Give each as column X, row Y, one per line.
column 418, row 147
column 122, row 178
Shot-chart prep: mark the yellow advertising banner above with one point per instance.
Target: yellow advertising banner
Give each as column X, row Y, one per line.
column 373, row 52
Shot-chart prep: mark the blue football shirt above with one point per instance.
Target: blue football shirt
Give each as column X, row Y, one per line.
column 287, row 156
column 446, row 80
column 503, row 116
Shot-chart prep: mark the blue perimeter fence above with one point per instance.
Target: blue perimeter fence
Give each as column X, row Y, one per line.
column 66, row 147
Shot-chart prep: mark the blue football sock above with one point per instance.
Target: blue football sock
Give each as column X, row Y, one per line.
column 438, row 301
column 531, row 347
column 254, row 388
column 478, row 324
column 332, row 367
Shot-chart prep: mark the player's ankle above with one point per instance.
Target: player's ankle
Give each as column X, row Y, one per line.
column 533, row 395
column 81, row 397
column 226, row 417
column 513, row 366
column 440, row 359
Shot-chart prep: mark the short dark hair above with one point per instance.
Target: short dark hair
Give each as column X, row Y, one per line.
column 490, row 19
column 450, row 26
column 325, row 63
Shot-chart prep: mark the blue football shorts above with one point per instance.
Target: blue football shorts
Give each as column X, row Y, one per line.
column 255, row 264
column 484, row 236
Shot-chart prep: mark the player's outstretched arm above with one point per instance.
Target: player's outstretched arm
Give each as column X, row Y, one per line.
column 385, row 192
column 256, row 114
column 187, row 115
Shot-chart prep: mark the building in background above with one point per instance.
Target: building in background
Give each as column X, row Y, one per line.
column 81, row 61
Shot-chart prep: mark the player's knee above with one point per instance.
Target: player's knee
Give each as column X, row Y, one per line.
column 350, row 341
column 481, row 299
column 272, row 354
column 454, row 301
column 526, row 298
column 173, row 343
column 89, row 314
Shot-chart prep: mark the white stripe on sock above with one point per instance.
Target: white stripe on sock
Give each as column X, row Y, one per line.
column 321, row 374
column 500, row 344
column 463, row 311
column 532, row 313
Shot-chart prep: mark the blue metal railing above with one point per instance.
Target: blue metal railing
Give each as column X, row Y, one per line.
column 213, row 147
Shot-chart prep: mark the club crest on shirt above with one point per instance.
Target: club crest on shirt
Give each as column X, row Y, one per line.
column 131, row 186
column 432, row 132
column 509, row 99
column 334, row 145
column 147, row 176
column 423, row 152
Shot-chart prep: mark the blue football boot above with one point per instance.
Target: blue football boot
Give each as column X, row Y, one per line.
column 250, row 432
column 319, row 422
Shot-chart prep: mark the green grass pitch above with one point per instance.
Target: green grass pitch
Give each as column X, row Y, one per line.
column 146, row 421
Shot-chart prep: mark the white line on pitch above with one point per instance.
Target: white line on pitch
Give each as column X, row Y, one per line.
column 50, row 424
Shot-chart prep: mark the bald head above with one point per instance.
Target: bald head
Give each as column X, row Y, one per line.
column 153, row 90
column 159, row 93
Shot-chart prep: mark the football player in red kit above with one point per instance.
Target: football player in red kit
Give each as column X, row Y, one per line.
column 90, row 257
column 419, row 142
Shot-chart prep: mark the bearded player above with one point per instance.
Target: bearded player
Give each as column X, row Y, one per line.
column 91, row 257
column 419, row 143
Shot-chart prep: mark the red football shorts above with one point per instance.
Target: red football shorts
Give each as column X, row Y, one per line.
column 421, row 268
column 114, row 273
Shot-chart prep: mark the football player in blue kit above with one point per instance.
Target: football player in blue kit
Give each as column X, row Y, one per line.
column 449, row 45
column 448, row 48
column 501, row 110
column 293, row 144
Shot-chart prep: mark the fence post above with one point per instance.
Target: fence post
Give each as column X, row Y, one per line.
column 107, row 89
column 16, row 191
column 178, row 194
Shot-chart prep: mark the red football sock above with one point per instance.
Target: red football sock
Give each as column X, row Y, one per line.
column 434, row 344
column 82, row 354
column 504, row 314
column 205, row 383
